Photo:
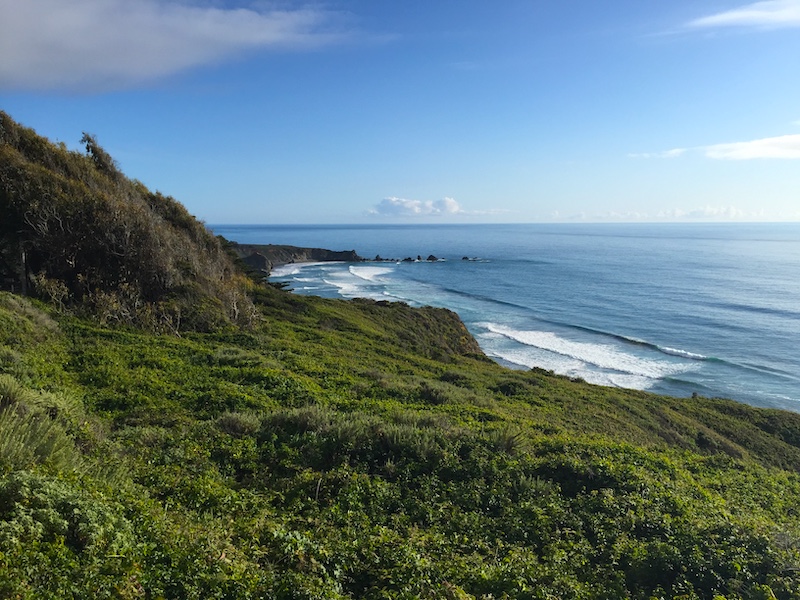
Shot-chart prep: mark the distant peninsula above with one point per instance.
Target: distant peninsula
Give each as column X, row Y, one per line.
column 265, row 257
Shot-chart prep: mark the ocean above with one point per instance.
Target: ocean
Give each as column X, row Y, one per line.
column 678, row 309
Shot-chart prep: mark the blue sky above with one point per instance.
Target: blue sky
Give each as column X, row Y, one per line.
column 362, row 111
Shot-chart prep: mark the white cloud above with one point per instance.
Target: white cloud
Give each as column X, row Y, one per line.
column 401, row 207
column 703, row 213
column 713, row 213
column 769, row 13
column 111, row 44
column 674, row 153
column 784, row 146
column 716, row 213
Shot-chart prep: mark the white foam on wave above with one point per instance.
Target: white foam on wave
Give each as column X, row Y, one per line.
column 592, row 356
column 285, row 271
column 571, row 368
column 682, row 353
column 348, row 289
column 393, row 297
column 292, row 269
column 369, row 273
column 529, row 359
column 349, row 285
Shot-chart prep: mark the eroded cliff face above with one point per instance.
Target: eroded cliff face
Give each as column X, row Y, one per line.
column 265, row 257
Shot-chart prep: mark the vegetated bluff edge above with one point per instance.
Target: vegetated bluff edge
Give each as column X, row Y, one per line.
column 173, row 428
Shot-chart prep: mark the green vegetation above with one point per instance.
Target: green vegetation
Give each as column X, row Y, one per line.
column 333, row 449
column 82, row 234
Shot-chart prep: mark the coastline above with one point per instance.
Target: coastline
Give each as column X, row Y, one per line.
column 580, row 300
column 265, row 257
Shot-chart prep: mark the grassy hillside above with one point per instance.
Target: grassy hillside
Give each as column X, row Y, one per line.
column 76, row 231
column 334, row 449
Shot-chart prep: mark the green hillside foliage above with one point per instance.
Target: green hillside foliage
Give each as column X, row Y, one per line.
column 336, row 449
column 79, row 233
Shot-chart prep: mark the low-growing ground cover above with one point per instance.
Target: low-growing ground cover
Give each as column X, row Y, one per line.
column 321, row 455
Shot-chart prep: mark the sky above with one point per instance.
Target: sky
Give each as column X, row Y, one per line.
column 445, row 111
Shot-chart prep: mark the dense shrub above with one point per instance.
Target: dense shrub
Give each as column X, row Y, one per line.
column 78, row 233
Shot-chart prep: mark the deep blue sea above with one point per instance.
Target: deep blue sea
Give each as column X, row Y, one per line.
column 671, row 308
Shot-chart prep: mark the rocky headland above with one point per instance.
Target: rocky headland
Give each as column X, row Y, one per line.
column 265, row 257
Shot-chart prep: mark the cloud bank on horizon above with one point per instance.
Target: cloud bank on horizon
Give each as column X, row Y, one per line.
column 100, row 45
column 394, row 207
column 707, row 213
column 402, row 207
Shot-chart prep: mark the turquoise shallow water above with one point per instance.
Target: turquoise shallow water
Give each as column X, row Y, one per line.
column 671, row 308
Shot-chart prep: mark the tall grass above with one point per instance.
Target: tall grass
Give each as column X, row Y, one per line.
column 36, row 428
column 31, row 439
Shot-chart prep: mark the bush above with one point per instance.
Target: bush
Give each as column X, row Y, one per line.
column 80, row 234
column 239, row 424
column 56, row 540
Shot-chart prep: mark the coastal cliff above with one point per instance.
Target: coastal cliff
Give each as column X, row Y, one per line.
column 265, row 257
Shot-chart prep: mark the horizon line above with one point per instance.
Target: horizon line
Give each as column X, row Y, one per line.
column 571, row 222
